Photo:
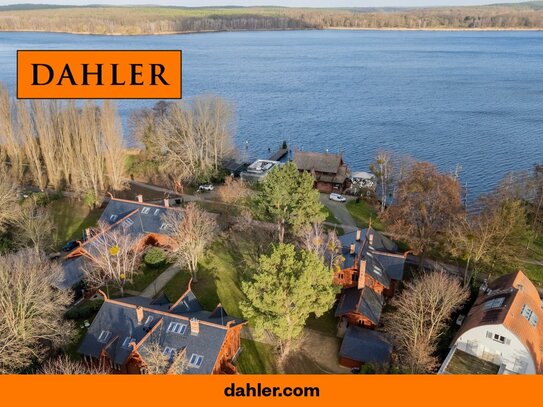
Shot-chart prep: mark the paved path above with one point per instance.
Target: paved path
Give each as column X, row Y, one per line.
column 339, row 210
column 160, row 282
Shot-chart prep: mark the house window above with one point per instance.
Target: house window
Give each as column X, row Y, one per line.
column 127, row 341
column 143, row 370
column 499, row 338
column 128, row 222
column 493, row 303
column 529, row 314
column 104, row 336
column 146, row 210
column 196, row 360
column 157, row 212
column 164, row 226
column 177, row 328
column 340, row 275
column 113, row 218
column 148, row 321
column 169, row 351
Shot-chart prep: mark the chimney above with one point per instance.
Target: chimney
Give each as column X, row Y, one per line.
column 167, row 202
column 358, row 234
column 139, row 314
column 194, row 326
column 139, row 198
column 352, row 249
column 371, row 238
column 362, row 274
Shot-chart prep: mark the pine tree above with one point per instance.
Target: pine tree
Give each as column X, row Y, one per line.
column 287, row 287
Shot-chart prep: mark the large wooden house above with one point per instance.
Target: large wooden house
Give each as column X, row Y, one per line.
column 369, row 274
column 330, row 172
column 144, row 221
column 123, row 332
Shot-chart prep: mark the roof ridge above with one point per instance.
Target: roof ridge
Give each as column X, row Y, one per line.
column 165, row 313
column 144, row 203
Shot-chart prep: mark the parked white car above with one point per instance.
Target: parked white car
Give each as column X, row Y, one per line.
column 206, row 187
column 337, row 197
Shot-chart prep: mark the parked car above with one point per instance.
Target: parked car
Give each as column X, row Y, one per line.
column 206, row 187
column 337, row 197
column 68, row 247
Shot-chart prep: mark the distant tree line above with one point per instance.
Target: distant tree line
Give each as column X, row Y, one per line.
column 150, row 20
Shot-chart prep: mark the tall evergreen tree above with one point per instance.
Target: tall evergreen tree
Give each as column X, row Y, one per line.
column 287, row 287
column 288, row 199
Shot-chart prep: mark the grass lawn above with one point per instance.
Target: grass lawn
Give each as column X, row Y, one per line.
column 219, row 276
column 255, row 358
column 362, row 212
column 534, row 272
column 147, row 276
column 326, row 324
column 71, row 217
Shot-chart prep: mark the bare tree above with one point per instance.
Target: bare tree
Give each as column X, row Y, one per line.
column 427, row 204
column 34, row 227
column 419, row 318
column 325, row 245
column 114, row 257
column 234, row 191
column 31, row 310
column 9, row 205
column 63, row 365
column 114, row 151
column 383, row 170
column 192, row 231
column 192, row 139
column 158, row 361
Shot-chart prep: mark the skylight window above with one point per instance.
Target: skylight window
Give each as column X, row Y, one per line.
column 529, row 314
column 128, row 222
column 169, row 352
column 127, row 341
column 113, row 218
column 494, row 303
column 104, row 336
column 157, row 212
column 196, row 360
column 148, row 321
column 177, row 328
column 146, row 210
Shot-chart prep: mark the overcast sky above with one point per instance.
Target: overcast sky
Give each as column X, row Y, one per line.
column 291, row 3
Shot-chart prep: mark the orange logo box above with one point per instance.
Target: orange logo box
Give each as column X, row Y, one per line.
column 85, row 74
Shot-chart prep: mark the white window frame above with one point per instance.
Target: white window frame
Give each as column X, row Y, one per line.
column 104, row 336
column 146, row 210
column 177, row 328
column 113, row 218
column 128, row 222
column 127, row 341
column 157, row 212
column 196, row 360
column 148, row 321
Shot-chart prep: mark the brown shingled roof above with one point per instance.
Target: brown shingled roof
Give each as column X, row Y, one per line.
column 320, row 162
column 517, row 291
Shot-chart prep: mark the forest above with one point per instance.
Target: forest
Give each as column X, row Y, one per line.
column 156, row 20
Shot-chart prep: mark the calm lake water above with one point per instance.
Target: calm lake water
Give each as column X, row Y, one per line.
column 474, row 99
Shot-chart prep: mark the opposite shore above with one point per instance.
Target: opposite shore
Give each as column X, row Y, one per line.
column 444, row 29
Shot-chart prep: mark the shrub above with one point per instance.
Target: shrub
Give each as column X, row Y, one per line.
column 85, row 310
column 155, row 257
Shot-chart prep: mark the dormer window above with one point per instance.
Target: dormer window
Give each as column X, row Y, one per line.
column 127, row 341
column 177, row 328
column 113, row 218
column 529, row 314
column 128, row 222
column 146, row 210
column 104, row 336
column 148, row 321
column 196, row 360
column 157, row 212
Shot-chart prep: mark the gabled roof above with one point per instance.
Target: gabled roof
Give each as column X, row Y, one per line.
column 366, row 302
column 503, row 302
column 319, row 162
column 365, row 345
column 134, row 218
column 119, row 317
column 380, row 255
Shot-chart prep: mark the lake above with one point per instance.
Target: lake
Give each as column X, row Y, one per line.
column 473, row 99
